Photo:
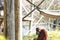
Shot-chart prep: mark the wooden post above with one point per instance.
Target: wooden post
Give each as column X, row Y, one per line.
column 9, row 21
column 5, row 18
column 16, row 19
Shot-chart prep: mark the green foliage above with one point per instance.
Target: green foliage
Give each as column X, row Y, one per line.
column 52, row 35
column 27, row 37
column 2, row 37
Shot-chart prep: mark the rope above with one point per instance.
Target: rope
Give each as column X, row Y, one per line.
column 36, row 7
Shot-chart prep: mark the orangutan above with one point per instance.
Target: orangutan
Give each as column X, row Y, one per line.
column 42, row 34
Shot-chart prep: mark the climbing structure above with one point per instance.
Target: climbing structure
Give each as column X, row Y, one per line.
column 31, row 9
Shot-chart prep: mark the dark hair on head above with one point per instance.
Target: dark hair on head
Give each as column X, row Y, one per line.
column 37, row 29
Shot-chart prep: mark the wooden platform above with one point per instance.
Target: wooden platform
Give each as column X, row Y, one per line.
column 50, row 14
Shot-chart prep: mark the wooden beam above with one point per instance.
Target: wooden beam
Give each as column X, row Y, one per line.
column 5, row 17
column 9, row 21
column 16, row 19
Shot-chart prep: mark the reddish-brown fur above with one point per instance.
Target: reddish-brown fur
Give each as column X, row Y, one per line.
column 42, row 34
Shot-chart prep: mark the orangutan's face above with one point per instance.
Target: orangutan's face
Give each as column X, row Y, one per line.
column 37, row 31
